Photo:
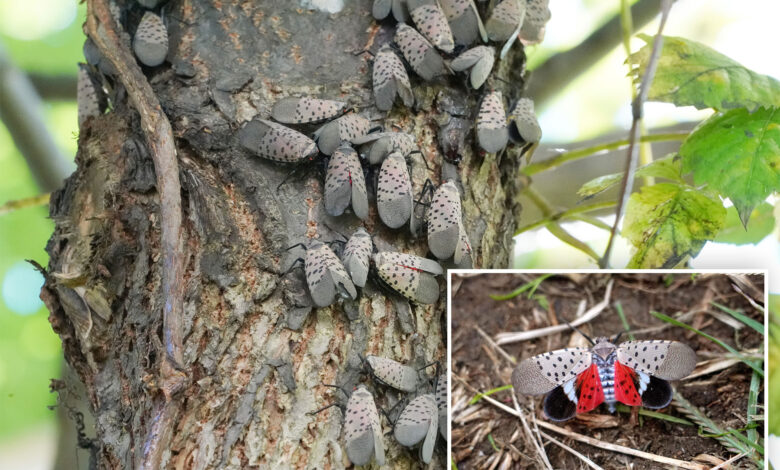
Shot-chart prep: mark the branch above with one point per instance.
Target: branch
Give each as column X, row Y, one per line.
column 21, row 111
column 159, row 138
column 54, row 87
column 561, row 69
column 15, row 205
column 636, row 110
column 564, row 157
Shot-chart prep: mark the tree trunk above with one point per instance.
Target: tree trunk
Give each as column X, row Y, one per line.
column 255, row 353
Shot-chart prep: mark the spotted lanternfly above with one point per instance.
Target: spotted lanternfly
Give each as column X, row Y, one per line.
column 382, row 8
column 577, row 380
column 390, row 79
column 381, row 144
column 492, row 133
column 523, row 126
column 347, row 128
column 464, row 20
column 536, row 17
column 441, row 402
column 305, row 110
column 394, row 191
column 276, row 142
column 325, row 275
column 362, row 430
column 420, row 54
column 89, row 95
column 431, row 22
column 150, row 42
column 344, row 183
column 409, row 275
column 505, row 20
column 393, row 373
column 480, row 60
column 444, row 221
column 418, row 421
column 357, row 256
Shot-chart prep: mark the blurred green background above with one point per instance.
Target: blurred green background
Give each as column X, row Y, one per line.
column 44, row 39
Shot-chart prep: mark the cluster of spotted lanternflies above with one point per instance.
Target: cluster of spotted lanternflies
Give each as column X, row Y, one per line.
column 447, row 27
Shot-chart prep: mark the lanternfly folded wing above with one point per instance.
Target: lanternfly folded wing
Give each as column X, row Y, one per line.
column 505, row 19
column 480, row 60
column 524, row 127
column 418, row 421
column 381, row 144
column 444, row 221
column 409, row 275
column 536, row 17
column 393, row 373
column 326, row 276
column 381, row 9
column 150, row 42
column 431, row 22
column 394, row 192
column 463, row 256
column 390, row 78
column 276, row 142
column 492, row 133
column 344, row 129
column 464, row 20
column 441, row 402
column 362, row 430
column 420, row 54
column 344, row 183
column 304, row 110
column 357, row 256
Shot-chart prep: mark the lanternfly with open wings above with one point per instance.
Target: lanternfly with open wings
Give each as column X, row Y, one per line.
column 577, row 380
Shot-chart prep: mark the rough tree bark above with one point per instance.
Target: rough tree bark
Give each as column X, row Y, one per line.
column 255, row 353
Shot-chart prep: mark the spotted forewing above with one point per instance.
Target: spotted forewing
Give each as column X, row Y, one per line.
column 362, row 429
column 393, row 373
column 357, row 256
column 418, row 421
column 326, row 276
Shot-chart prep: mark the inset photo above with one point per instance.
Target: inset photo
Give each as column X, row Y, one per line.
column 607, row 370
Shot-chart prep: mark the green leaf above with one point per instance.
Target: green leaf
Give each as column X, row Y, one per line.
column 692, row 74
column 667, row 167
column 761, row 224
column 669, row 222
column 738, row 154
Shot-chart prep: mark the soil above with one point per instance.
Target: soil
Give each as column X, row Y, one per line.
column 479, row 366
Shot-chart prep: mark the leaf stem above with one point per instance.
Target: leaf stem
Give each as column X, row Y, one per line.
column 571, row 213
column 634, row 135
column 564, row 157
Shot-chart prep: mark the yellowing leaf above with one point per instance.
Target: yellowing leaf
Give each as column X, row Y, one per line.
column 667, row 223
column 692, row 74
column 738, row 154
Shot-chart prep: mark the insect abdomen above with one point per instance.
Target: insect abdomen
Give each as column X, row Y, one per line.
column 606, row 369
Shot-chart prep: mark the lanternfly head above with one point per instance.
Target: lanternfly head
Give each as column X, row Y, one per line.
column 603, row 348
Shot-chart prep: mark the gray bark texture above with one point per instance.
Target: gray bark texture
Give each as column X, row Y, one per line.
column 255, row 353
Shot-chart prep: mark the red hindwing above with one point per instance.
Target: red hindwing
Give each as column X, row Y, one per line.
column 591, row 394
column 625, row 390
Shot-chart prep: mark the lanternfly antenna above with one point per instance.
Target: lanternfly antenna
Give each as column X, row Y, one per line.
column 580, row 332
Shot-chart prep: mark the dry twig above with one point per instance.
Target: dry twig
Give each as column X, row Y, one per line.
column 514, row 337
